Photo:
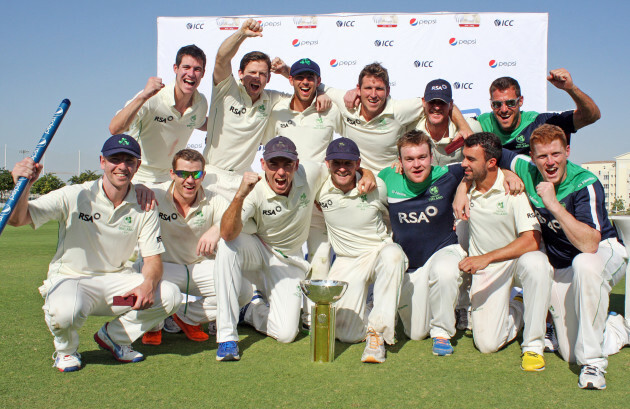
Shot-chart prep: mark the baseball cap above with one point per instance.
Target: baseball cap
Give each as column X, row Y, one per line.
column 280, row 147
column 342, row 148
column 121, row 143
column 304, row 65
column 439, row 89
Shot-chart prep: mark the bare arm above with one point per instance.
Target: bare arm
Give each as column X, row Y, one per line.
column 280, row 67
column 152, row 273
column 526, row 242
column 207, row 243
column 123, row 119
column 229, row 47
column 28, row 169
column 581, row 235
column 231, row 223
column 586, row 112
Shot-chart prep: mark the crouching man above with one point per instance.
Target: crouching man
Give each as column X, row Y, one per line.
column 100, row 224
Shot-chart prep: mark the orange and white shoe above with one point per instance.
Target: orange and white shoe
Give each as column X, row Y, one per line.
column 374, row 351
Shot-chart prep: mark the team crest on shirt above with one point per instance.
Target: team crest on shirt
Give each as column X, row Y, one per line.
column 126, row 225
column 363, row 203
column 500, row 210
column 199, row 219
column 434, row 191
column 262, row 111
column 193, row 120
column 382, row 123
column 319, row 123
column 520, row 142
column 303, row 200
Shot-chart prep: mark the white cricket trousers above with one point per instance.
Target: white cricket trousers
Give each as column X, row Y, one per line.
column 245, row 259
column 429, row 294
column 197, row 280
column 223, row 182
column 385, row 267
column 579, row 302
column 496, row 321
column 70, row 300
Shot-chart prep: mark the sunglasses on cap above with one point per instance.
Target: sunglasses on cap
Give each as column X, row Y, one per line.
column 184, row 174
column 510, row 103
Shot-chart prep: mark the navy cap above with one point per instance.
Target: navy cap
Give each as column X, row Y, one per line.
column 121, row 143
column 304, row 65
column 344, row 149
column 280, row 147
column 439, row 89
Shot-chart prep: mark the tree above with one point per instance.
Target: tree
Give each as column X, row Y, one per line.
column 6, row 183
column 47, row 183
column 617, row 205
column 84, row 177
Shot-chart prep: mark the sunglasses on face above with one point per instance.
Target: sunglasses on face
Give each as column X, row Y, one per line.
column 184, row 174
column 510, row 103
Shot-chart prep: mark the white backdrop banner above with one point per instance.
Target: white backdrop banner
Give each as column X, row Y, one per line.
column 469, row 50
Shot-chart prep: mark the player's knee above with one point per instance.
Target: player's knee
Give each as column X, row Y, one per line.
column 287, row 335
column 444, row 270
column 62, row 317
column 487, row 346
column 536, row 265
column 587, row 267
column 171, row 297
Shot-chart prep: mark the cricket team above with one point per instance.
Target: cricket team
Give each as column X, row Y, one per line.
column 201, row 238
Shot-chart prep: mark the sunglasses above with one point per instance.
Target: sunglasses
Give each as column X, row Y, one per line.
column 184, row 174
column 510, row 103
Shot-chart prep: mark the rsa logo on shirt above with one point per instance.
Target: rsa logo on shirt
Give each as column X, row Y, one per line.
column 326, row 205
column 272, row 212
column 86, row 217
column 168, row 217
column 287, row 124
column 238, row 111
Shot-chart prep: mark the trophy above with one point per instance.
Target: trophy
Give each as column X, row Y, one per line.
column 323, row 293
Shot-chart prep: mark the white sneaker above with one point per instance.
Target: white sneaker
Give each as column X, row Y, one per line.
column 67, row 363
column 551, row 342
column 171, row 326
column 122, row 353
column 374, row 348
column 591, row 377
column 212, row 328
column 615, row 334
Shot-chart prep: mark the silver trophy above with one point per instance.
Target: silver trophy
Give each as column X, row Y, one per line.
column 323, row 293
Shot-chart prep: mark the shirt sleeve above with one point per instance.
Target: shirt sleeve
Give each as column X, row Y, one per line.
column 52, row 206
column 474, row 125
column 220, row 90
column 277, row 96
column 524, row 217
column 149, row 237
column 589, row 205
column 407, row 110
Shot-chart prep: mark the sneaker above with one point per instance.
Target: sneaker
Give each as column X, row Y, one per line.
column 374, row 351
column 152, row 338
column 531, row 361
column 258, row 297
column 193, row 332
column 463, row 320
column 551, row 342
column 171, row 327
column 442, row 347
column 122, row 353
column 67, row 363
column 228, row 351
column 212, row 328
column 591, row 377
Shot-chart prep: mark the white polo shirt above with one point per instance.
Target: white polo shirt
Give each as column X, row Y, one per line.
column 236, row 127
column 310, row 131
column 162, row 131
column 440, row 158
column 180, row 234
column 283, row 222
column 355, row 221
column 497, row 219
column 377, row 138
column 94, row 237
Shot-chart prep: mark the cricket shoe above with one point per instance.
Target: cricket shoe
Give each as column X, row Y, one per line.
column 193, row 332
column 374, row 351
column 171, row 327
column 442, row 347
column 615, row 334
column 228, row 351
column 463, row 319
column 67, row 363
column 551, row 342
column 152, row 337
column 212, row 328
column 531, row 362
column 591, row 377
column 257, row 297
column 122, row 353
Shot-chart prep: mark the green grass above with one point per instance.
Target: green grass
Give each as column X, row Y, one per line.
column 181, row 373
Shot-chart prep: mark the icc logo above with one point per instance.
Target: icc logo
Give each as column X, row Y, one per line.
column 386, row 43
column 463, row 85
column 504, row 23
column 425, row 64
column 195, row 26
column 349, row 23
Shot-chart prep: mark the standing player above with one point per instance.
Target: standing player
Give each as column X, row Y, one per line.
column 189, row 221
column 100, row 224
column 365, row 253
column 162, row 118
column 581, row 244
column 514, row 127
column 504, row 243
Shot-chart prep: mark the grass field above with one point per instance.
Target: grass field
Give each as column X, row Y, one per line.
column 181, row 373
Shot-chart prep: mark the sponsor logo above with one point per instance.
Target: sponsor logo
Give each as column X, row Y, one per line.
column 463, row 85
column 195, row 26
column 418, row 217
column 384, row 43
column 340, row 63
column 468, row 20
column 168, row 217
column 264, row 24
column 297, row 42
column 228, row 23
column 504, row 23
column 386, row 21
column 353, row 121
column 453, row 41
column 195, row 146
column 272, row 212
column 325, row 205
column 305, row 22
column 163, row 119
column 86, row 217
column 347, row 23
column 551, row 224
column 237, row 111
column 416, row 22
column 287, row 124
column 423, row 64
column 495, row 63
column 158, row 239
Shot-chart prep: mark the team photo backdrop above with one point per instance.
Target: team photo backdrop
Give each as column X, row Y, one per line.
column 469, row 50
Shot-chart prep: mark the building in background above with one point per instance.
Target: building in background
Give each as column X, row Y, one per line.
column 605, row 172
